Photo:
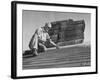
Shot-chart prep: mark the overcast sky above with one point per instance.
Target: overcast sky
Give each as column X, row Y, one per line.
column 31, row 20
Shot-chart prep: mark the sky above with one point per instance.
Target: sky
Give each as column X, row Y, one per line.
column 31, row 20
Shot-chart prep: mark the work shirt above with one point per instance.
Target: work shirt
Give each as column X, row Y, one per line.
column 42, row 34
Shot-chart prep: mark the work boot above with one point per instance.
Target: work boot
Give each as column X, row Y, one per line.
column 34, row 51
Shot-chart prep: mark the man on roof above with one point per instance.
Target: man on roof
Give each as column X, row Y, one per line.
column 39, row 38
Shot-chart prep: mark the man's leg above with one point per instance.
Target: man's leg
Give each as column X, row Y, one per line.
column 34, row 51
column 42, row 47
column 35, row 45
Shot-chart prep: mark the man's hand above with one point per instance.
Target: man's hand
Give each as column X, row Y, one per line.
column 57, row 47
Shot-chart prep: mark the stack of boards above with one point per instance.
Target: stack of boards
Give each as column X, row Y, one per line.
column 67, row 32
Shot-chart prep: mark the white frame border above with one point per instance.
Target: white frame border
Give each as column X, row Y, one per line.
column 37, row 72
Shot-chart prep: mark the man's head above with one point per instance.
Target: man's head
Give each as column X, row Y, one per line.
column 47, row 26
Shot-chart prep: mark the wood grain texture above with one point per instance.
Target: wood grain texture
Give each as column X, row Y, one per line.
column 75, row 56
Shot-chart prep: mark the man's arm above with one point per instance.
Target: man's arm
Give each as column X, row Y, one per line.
column 57, row 47
column 48, row 38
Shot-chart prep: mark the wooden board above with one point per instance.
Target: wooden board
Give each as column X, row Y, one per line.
column 76, row 56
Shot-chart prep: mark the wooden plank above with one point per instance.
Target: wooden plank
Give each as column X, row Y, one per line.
column 77, row 56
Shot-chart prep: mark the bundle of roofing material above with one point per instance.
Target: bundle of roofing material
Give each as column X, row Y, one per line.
column 67, row 32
